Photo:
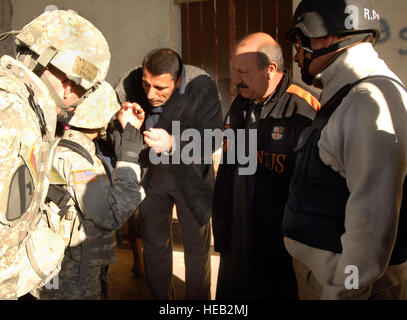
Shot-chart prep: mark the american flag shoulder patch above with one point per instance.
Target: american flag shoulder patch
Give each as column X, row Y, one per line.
column 81, row 176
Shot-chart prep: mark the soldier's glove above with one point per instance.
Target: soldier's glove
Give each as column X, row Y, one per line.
column 129, row 146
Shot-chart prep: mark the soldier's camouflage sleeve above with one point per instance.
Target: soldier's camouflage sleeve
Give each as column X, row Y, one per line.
column 8, row 236
column 125, row 194
column 17, row 133
column 108, row 205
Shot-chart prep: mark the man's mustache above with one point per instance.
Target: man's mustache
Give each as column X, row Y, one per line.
column 242, row 86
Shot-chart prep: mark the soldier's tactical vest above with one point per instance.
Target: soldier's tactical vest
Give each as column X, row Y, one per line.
column 38, row 250
column 315, row 210
column 86, row 242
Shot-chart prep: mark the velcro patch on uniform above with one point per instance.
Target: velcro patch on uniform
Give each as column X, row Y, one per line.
column 85, row 69
column 33, row 164
column 82, row 176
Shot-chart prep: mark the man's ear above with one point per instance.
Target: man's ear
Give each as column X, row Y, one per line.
column 178, row 83
column 272, row 67
column 68, row 88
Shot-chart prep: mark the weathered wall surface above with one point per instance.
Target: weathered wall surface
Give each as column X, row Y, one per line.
column 131, row 27
column 392, row 46
column 6, row 13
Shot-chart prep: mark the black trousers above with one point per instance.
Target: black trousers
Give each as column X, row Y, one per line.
column 162, row 193
column 256, row 266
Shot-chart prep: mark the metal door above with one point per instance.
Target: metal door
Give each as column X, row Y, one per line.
column 210, row 29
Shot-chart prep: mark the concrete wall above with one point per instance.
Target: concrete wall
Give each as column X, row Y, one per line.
column 131, row 27
column 392, row 46
column 6, row 13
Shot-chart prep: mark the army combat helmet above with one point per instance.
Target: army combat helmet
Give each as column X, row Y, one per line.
column 95, row 111
column 70, row 43
column 320, row 18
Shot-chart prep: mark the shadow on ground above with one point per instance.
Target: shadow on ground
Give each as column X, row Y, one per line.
column 124, row 284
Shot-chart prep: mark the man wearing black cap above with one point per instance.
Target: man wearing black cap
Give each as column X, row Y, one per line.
column 345, row 218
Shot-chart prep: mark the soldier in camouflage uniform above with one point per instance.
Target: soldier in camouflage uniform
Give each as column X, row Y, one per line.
column 98, row 203
column 61, row 59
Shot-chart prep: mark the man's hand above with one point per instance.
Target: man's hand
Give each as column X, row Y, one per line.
column 158, row 140
column 131, row 113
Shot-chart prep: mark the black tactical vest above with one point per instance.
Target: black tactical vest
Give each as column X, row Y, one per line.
column 315, row 210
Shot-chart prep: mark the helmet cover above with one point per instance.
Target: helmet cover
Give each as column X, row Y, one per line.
column 78, row 48
column 96, row 110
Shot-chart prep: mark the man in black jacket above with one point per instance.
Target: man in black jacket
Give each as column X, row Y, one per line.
column 248, row 209
column 183, row 97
